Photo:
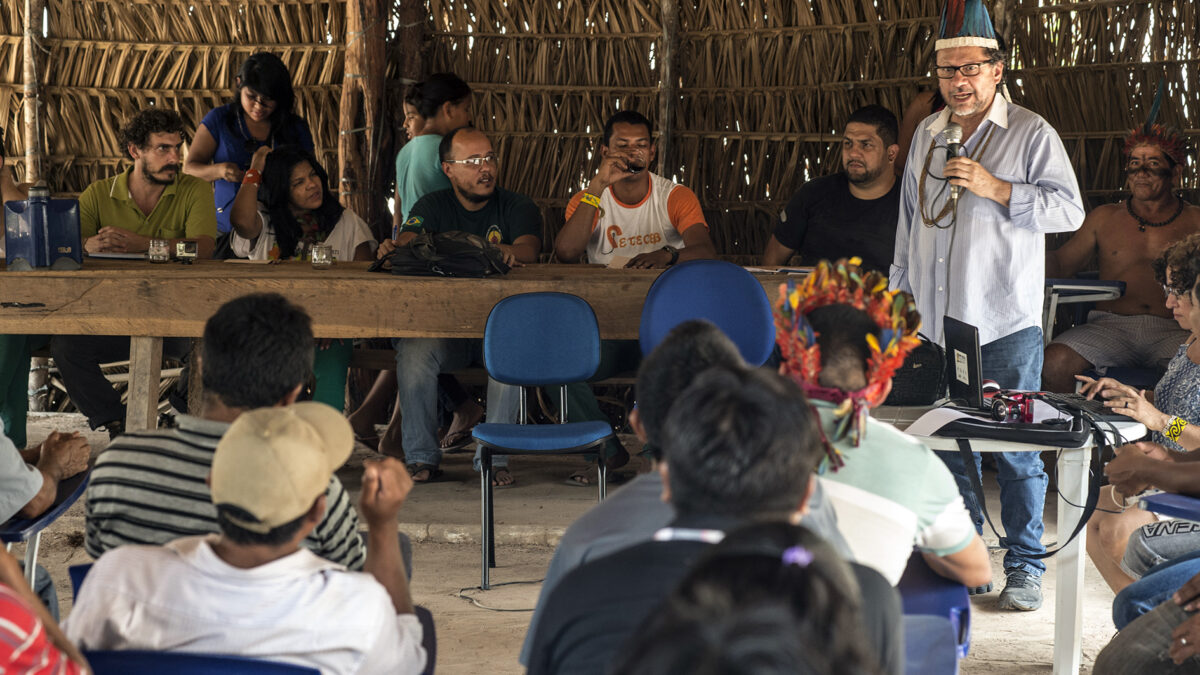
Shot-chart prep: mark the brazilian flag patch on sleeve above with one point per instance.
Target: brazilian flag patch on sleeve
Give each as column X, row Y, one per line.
column 413, row 224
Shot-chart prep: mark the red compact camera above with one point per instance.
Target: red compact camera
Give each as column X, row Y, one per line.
column 1008, row 406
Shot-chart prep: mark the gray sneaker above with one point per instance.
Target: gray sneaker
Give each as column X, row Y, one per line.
column 1022, row 591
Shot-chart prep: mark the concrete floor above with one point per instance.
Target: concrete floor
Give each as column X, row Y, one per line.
column 443, row 520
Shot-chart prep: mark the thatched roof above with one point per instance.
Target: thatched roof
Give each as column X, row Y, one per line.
column 761, row 88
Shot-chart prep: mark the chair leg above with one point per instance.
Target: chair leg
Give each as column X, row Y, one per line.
column 31, row 554
column 485, row 492
column 602, row 474
column 491, row 516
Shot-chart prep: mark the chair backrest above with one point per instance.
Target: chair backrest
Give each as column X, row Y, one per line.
column 719, row 291
column 922, row 591
column 537, row 339
column 78, row 573
column 137, row 662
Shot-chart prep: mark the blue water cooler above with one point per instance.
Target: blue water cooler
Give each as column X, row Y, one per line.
column 42, row 233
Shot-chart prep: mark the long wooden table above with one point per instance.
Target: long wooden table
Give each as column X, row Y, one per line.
column 149, row 302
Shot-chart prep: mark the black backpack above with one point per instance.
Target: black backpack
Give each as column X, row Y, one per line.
column 444, row 254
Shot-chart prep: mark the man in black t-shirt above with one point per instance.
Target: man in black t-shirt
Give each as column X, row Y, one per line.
column 852, row 212
column 510, row 221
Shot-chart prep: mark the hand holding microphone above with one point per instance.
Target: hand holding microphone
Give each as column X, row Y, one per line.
column 953, row 134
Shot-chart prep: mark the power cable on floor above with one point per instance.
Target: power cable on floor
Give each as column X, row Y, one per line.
column 462, row 595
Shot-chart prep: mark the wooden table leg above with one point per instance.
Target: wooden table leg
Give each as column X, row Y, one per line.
column 1068, row 592
column 145, row 367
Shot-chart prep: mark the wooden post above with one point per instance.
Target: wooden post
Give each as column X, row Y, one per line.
column 31, row 47
column 668, row 87
column 361, row 167
column 412, row 19
column 1002, row 22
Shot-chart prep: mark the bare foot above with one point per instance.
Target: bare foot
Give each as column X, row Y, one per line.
column 390, row 442
column 502, row 478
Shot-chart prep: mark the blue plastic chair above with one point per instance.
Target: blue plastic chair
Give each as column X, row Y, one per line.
column 923, row 592
column 719, row 291
column 29, row 530
column 428, row 632
column 538, row 340
column 138, row 662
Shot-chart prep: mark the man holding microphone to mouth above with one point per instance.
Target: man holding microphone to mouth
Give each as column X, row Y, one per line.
column 980, row 258
column 629, row 212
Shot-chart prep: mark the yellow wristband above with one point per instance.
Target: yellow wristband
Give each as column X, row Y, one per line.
column 590, row 199
column 1174, row 429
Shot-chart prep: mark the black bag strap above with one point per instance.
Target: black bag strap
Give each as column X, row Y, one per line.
column 1099, row 442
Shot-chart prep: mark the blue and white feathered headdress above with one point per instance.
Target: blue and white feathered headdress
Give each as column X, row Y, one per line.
column 966, row 23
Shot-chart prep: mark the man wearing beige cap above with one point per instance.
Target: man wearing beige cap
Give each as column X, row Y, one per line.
column 252, row 590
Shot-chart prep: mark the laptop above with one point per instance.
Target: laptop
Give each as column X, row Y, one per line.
column 964, row 370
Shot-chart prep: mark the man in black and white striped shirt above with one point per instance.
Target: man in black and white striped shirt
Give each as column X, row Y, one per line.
column 149, row 487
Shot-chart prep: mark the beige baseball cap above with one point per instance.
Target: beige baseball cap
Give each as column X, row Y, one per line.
column 273, row 463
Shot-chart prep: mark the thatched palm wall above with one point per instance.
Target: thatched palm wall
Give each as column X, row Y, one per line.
column 762, row 86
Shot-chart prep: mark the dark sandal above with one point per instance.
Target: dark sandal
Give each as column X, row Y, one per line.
column 434, row 472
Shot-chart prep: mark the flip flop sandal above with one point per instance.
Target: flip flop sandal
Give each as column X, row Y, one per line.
column 614, row 478
column 457, row 441
column 434, row 472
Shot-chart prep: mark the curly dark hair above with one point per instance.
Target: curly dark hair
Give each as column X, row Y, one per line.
column 151, row 121
column 1183, row 259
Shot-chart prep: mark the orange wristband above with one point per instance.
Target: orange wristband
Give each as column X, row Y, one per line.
column 252, row 177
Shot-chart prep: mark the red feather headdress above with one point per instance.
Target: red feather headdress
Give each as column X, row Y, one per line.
column 844, row 282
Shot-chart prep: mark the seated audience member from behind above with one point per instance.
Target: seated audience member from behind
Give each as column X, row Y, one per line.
column 1135, row 330
column 474, row 204
column 628, row 211
column 852, row 211
column 632, row 514
column 739, row 445
column 251, row 590
column 121, row 214
column 148, row 487
column 891, row 491
column 770, row 598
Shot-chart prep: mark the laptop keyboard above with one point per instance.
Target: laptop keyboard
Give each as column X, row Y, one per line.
column 1093, row 407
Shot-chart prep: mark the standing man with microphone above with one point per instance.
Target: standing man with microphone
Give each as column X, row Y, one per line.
column 980, row 258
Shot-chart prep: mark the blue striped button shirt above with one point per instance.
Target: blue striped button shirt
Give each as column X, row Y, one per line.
column 989, row 268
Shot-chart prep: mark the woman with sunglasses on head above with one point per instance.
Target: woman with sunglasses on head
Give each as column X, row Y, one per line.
column 283, row 208
column 260, row 115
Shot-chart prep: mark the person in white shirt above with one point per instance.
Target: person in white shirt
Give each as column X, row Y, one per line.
column 252, row 590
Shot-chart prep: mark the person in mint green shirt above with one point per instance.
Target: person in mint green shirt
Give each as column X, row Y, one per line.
column 153, row 199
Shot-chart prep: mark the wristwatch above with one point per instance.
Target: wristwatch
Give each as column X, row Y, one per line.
column 674, row 254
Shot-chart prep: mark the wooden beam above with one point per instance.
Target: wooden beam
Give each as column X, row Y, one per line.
column 361, row 167
column 34, row 9
column 668, row 84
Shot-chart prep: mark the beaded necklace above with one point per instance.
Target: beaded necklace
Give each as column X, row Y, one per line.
column 1143, row 223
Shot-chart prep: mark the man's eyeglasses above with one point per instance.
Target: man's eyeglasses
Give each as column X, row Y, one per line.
column 1171, row 292
column 476, row 162
column 967, row 70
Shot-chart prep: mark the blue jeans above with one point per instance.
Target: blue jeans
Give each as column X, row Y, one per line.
column 1153, row 589
column 1015, row 362
column 419, row 361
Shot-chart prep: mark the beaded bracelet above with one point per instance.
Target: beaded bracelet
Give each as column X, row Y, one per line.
column 1174, row 429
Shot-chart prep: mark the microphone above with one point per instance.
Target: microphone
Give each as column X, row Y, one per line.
column 953, row 134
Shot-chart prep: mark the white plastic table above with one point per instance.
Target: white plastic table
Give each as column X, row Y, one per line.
column 1072, row 489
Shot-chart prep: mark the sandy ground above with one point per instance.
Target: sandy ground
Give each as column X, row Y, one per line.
column 443, row 520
